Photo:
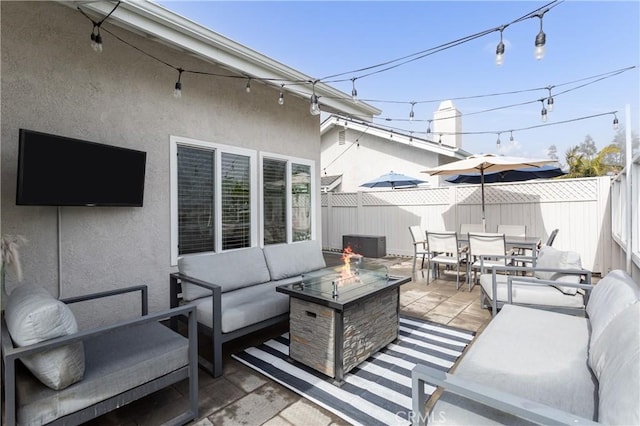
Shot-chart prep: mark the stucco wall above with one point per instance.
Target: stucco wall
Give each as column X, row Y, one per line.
column 53, row 82
column 374, row 157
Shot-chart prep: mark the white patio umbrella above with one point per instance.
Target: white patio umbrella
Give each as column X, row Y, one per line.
column 486, row 163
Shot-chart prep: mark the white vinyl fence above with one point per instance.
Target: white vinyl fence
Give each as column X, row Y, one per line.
column 625, row 219
column 579, row 208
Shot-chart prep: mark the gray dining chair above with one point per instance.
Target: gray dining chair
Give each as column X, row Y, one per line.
column 420, row 247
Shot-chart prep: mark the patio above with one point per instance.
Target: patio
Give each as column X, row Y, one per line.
column 242, row 396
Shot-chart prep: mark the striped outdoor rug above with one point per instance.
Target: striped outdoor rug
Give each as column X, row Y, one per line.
column 378, row 391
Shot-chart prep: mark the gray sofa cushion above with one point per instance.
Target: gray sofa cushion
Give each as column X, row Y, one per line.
column 289, row 260
column 615, row 360
column 610, row 296
column 34, row 316
column 245, row 306
column 230, row 270
column 531, row 353
column 115, row 362
column 528, row 294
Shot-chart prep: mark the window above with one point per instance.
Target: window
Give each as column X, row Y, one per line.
column 274, row 187
column 287, row 199
column 214, row 200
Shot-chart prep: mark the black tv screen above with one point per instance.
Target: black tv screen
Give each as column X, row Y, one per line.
column 60, row 171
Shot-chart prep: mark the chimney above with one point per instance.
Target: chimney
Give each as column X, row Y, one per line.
column 447, row 120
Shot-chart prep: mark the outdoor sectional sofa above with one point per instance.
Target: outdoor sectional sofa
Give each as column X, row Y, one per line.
column 532, row 365
column 235, row 291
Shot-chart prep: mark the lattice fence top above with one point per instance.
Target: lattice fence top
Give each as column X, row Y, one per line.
column 509, row 193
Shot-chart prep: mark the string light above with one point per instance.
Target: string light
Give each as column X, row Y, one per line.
column 440, row 139
column 498, row 142
column 500, row 50
column 177, row 91
column 248, row 87
column 616, row 126
column 511, row 138
column 411, row 114
column 429, row 127
column 541, row 40
column 96, row 39
column 550, row 99
column 281, row 97
column 543, row 113
column 314, row 107
column 354, row 92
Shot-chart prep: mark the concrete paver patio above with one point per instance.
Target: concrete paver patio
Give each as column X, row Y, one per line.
column 244, row 397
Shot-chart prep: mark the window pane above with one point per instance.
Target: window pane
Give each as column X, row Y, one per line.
column 275, row 201
column 195, row 200
column 236, row 207
column 301, row 201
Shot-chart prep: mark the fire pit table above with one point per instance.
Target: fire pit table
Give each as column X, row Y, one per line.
column 339, row 317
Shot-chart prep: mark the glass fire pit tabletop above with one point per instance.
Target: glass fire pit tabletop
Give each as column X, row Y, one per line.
column 340, row 282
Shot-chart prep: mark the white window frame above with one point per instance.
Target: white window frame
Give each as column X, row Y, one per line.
column 174, row 142
column 314, row 197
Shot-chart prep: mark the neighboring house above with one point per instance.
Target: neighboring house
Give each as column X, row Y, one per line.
column 258, row 162
column 358, row 152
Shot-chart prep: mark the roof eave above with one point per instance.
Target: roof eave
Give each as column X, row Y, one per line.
column 159, row 22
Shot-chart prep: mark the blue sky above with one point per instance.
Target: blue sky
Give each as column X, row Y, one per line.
column 584, row 39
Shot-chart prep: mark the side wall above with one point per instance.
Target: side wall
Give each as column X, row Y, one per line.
column 579, row 208
column 53, row 82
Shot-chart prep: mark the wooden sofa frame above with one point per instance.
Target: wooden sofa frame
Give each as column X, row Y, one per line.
column 217, row 336
column 11, row 354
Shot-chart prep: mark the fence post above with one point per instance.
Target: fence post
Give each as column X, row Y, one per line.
column 360, row 214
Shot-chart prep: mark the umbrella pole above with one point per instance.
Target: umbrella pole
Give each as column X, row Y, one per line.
column 484, row 221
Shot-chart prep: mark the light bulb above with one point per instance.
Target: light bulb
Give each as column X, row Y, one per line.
column 354, row 92
column 314, row 108
column 98, row 43
column 511, row 138
column 550, row 103
column 541, row 39
column 411, row 115
column 615, row 123
column 281, row 99
column 498, row 142
column 500, row 53
column 543, row 114
column 429, row 128
column 248, row 88
column 177, row 92
column 94, row 46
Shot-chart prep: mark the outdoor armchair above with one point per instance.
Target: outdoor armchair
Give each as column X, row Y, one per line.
column 445, row 249
column 116, row 364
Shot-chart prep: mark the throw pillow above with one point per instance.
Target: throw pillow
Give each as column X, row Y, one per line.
column 34, row 316
column 551, row 258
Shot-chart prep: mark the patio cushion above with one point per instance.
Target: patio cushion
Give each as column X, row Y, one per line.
column 531, row 353
column 289, row 260
column 615, row 360
column 551, row 258
column 529, row 294
column 245, row 306
column 610, row 296
column 115, row 362
column 230, row 270
column 33, row 316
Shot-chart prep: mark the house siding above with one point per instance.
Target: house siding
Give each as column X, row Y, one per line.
column 53, row 82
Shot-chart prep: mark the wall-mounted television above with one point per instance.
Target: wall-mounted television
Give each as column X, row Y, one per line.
column 60, row 171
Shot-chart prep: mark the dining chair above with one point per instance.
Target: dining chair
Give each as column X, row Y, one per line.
column 444, row 249
column 513, row 230
column 552, row 237
column 419, row 245
column 488, row 250
column 465, row 228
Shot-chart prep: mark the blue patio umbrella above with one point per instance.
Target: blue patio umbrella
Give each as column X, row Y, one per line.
column 516, row 175
column 392, row 180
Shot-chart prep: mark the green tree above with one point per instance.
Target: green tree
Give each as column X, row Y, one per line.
column 581, row 165
column 552, row 152
column 620, row 140
column 588, row 148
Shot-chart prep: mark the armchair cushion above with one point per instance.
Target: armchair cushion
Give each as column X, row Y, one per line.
column 290, row 260
column 552, row 258
column 33, row 316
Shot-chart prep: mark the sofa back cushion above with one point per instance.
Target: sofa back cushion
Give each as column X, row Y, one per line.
column 290, row 260
column 552, row 258
column 615, row 361
column 229, row 270
column 34, row 316
column 610, row 296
